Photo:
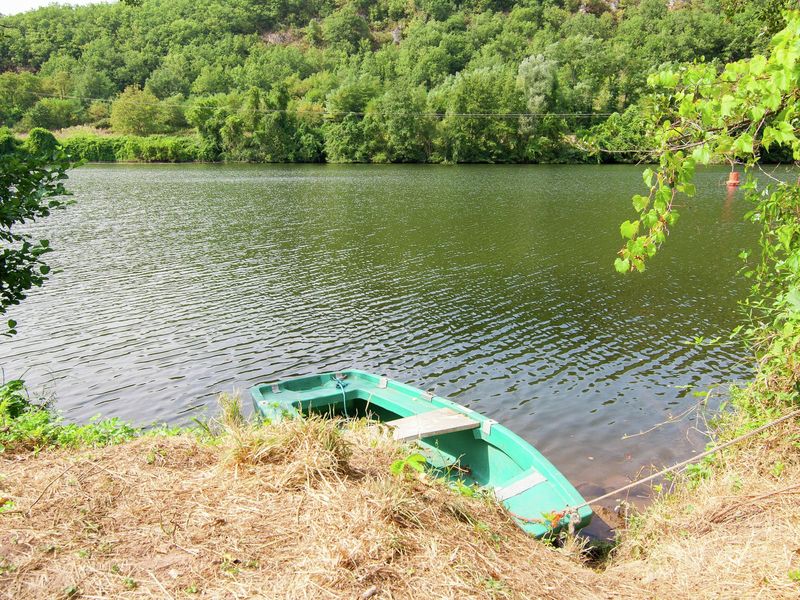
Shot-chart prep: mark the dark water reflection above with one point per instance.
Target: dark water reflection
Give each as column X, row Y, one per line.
column 491, row 285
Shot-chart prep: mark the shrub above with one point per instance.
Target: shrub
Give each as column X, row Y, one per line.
column 93, row 148
column 345, row 28
column 41, row 141
column 135, row 111
column 25, row 425
column 52, row 113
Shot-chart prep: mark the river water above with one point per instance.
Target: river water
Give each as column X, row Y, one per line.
column 492, row 285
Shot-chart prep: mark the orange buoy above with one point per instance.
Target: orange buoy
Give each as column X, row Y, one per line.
column 733, row 179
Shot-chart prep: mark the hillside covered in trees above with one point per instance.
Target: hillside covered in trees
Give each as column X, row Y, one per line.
column 344, row 81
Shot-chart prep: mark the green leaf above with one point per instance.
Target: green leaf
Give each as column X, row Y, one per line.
column 672, row 217
column 416, row 462
column 628, row 229
column 757, row 113
column 640, row 203
column 662, row 200
column 702, row 154
column 785, row 235
column 757, row 64
column 668, row 79
column 647, row 175
column 726, row 105
column 622, row 265
column 793, row 298
column 743, row 145
column 772, row 100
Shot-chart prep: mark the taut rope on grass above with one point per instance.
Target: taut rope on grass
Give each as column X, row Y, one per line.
column 572, row 511
column 683, row 463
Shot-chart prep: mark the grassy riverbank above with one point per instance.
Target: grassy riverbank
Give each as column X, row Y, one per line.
column 94, row 147
column 306, row 509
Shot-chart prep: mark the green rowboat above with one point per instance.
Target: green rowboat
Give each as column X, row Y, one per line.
column 454, row 440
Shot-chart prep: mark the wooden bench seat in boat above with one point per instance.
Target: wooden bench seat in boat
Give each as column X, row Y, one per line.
column 431, row 423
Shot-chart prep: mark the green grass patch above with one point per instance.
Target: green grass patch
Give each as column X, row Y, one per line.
column 27, row 425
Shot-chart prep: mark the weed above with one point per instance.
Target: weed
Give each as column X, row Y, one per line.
column 696, row 472
column 463, row 489
column 412, row 462
column 130, row 583
column 154, row 454
column 483, row 528
column 496, row 587
column 105, row 548
column 6, row 567
column 230, row 564
column 26, row 425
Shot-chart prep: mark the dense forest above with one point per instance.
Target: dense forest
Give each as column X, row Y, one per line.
column 355, row 81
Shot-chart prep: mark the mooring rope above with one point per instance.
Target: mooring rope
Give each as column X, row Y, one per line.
column 340, row 385
column 683, row 463
column 572, row 511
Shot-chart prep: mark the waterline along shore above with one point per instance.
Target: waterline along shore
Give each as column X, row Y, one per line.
column 234, row 509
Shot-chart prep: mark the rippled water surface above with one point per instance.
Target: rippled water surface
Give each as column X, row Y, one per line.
column 492, row 285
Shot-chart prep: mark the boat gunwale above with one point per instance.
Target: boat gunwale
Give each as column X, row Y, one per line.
column 499, row 436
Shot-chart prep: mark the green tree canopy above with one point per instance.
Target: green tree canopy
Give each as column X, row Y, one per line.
column 136, row 111
column 588, row 57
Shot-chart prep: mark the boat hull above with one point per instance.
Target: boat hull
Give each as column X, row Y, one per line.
column 536, row 494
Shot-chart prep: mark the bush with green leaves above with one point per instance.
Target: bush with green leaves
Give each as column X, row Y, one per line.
column 345, row 29
column 18, row 93
column 133, row 148
column 136, row 111
column 41, row 142
column 92, row 148
column 31, row 186
column 32, row 426
column 52, row 113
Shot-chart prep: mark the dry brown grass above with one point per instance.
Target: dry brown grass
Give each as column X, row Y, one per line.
column 306, row 509
column 733, row 535
column 296, row 510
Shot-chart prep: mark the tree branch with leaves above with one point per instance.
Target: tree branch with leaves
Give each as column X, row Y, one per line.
column 700, row 115
column 31, row 186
